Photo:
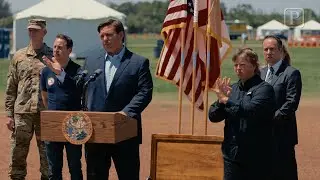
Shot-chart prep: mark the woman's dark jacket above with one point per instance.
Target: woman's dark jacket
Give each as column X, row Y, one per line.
column 248, row 118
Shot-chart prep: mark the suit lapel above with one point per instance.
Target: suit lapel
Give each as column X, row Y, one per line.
column 124, row 62
column 278, row 73
column 101, row 65
column 263, row 72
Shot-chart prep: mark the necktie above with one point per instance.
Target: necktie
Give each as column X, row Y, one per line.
column 270, row 75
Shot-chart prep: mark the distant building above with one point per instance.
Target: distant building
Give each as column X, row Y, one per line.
column 236, row 28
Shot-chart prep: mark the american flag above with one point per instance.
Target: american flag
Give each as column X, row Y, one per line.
column 180, row 15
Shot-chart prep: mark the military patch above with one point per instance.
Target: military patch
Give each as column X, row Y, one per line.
column 50, row 81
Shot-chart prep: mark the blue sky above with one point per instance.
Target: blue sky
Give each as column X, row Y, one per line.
column 264, row 5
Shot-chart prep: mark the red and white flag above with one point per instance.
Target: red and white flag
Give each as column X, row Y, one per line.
column 180, row 16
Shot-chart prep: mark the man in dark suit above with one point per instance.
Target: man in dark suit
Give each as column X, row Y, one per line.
column 124, row 86
column 287, row 85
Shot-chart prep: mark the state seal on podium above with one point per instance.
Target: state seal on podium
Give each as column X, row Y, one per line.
column 77, row 128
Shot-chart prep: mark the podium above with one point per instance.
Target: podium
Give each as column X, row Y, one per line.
column 107, row 127
column 187, row 157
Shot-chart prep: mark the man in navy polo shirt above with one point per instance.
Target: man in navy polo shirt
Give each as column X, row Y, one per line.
column 60, row 92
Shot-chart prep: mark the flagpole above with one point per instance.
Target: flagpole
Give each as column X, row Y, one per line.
column 207, row 69
column 194, row 58
column 182, row 34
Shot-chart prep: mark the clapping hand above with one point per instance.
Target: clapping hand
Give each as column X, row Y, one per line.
column 226, row 88
column 53, row 64
column 222, row 89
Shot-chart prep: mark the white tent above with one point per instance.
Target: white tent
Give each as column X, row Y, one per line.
column 250, row 32
column 76, row 18
column 310, row 28
column 271, row 27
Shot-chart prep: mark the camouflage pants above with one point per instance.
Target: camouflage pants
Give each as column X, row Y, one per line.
column 25, row 126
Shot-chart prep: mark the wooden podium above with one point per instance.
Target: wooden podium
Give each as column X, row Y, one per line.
column 107, row 127
column 186, row 157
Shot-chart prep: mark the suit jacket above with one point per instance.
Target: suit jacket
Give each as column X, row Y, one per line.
column 130, row 90
column 287, row 85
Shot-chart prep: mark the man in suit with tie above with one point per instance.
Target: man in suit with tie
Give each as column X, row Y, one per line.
column 124, row 86
column 286, row 81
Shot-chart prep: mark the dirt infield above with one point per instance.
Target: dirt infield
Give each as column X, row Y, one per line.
column 161, row 117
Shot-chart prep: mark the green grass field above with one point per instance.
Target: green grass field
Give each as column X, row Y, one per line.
column 4, row 64
column 302, row 58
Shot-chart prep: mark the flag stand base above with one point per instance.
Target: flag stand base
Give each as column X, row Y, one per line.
column 186, row 157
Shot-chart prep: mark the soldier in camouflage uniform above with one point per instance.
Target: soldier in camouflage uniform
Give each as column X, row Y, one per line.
column 23, row 101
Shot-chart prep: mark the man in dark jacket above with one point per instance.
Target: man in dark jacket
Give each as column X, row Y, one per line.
column 124, row 86
column 60, row 92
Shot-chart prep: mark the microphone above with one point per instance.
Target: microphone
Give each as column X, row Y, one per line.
column 95, row 75
column 83, row 74
column 80, row 77
column 85, row 86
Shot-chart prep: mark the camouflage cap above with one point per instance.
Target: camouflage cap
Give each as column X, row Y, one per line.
column 37, row 24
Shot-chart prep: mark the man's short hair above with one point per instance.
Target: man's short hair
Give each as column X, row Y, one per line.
column 114, row 22
column 67, row 39
column 117, row 24
column 275, row 37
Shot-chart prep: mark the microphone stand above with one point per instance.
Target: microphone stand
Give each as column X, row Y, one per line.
column 93, row 77
column 83, row 97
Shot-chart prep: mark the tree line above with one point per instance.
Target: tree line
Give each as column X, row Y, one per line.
column 6, row 19
column 147, row 17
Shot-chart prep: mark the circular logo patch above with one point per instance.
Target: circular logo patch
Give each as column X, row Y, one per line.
column 77, row 128
column 50, row 81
